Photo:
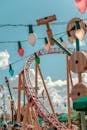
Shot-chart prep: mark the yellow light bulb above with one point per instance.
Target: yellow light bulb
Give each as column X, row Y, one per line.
column 47, row 47
column 80, row 33
column 32, row 38
column 70, row 39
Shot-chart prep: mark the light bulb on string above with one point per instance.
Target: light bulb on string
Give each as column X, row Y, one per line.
column 11, row 71
column 81, row 5
column 79, row 32
column 20, row 49
column 47, row 45
column 37, row 59
column 62, row 42
column 70, row 38
column 31, row 36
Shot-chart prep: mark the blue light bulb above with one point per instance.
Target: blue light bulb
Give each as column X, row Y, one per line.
column 11, row 71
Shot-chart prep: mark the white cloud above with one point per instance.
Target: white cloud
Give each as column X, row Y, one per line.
column 4, row 59
column 54, row 90
column 85, row 77
column 14, row 81
column 58, row 83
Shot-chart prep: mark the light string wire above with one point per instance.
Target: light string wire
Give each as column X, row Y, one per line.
column 34, row 25
column 25, row 25
column 39, row 38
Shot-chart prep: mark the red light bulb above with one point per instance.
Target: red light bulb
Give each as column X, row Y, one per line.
column 81, row 5
column 20, row 50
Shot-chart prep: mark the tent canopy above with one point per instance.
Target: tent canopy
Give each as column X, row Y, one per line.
column 80, row 104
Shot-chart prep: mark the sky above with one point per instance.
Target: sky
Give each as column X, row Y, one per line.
column 15, row 12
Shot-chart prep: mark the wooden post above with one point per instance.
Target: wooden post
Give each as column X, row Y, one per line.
column 26, row 109
column 46, row 21
column 30, row 117
column 36, row 81
column 19, row 99
column 25, row 114
column 46, row 91
column 12, row 110
column 68, row 93
column 79, row 77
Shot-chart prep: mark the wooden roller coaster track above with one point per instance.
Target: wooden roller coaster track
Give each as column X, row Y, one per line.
column 30, row 91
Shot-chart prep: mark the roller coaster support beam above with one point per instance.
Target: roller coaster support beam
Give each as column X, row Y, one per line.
column 46, row 90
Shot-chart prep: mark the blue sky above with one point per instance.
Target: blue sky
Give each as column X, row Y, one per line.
column 27, row 12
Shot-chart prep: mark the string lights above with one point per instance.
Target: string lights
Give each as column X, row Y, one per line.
column 37, row 59
column 32, row 36
column 79, row 34
column 20, row 49
column 31, row 32
column 76, row 29
column 81, row 5
column 11, row 71
column 70, row 38
column 10, row 68
column 47, row 45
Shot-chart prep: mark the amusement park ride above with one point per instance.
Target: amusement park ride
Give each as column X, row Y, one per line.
column 76, row 61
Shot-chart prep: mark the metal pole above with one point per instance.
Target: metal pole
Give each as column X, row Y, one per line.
column 12, row 102
column 4, row 105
